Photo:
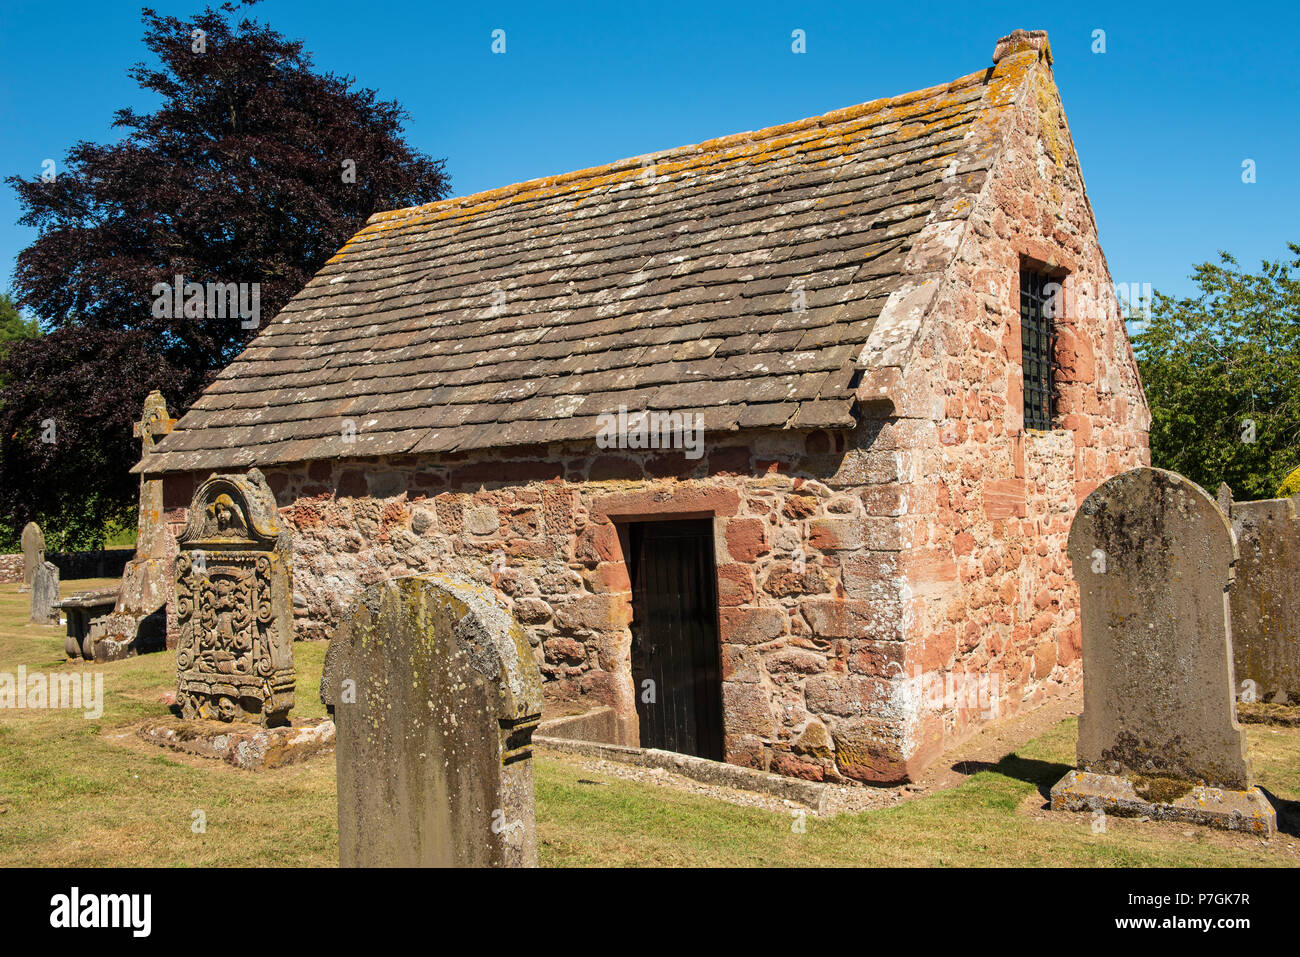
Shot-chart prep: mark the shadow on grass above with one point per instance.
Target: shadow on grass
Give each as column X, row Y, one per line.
column 1041, row 774
column 1288, row 813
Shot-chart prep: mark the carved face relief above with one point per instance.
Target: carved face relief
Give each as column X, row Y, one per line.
column 225, row 518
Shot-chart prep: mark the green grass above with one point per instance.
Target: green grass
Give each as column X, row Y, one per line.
column 74, row 791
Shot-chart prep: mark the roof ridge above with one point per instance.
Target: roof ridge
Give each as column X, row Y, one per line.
column 831, row 118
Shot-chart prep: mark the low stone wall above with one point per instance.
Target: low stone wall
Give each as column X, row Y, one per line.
column 11, row 568
column 103, row 563
column 1265, row 599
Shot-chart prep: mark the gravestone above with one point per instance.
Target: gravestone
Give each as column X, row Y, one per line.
column 234, row 605
column 33, row 542
column 138, row 620
column 1265, row 600
column 1158, row 736
column 435, row 695
column 45, row 594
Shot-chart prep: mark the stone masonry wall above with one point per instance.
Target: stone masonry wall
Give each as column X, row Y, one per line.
column 11, row 568
column 985, row 504
column 806, row 559
column 882, row 592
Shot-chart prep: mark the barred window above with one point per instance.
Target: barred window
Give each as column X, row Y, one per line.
column 1037, row 339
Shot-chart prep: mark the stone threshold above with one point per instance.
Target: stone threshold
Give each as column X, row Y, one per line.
column 811, row 794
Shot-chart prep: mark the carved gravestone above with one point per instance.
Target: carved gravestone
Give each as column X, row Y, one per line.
column 234, row 605
column 45, row 594
column 1154, row 555
column 33, row 542
column 138, row 621
column 435, row 695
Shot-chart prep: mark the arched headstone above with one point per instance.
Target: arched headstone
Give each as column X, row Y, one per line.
column 435, row 696
column 33, row 542
column 234, row 604
column 1154, row 555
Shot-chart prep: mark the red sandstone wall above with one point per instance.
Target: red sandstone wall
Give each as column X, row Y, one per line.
column 989, row 504
column 933, row 541
column 803, row 644
column 11, row 568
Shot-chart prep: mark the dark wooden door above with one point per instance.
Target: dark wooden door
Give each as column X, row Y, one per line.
column 675, row 637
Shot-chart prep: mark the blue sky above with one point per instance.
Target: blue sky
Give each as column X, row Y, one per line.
column 1163, row 119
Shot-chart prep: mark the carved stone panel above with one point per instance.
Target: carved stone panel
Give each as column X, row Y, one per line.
column 234, row 604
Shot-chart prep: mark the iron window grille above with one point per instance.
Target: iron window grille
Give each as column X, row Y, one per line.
column 1037, row 346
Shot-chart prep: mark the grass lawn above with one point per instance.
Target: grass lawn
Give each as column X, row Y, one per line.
column 88, row 792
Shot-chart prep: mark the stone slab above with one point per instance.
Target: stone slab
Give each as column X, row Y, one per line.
column 243, row 745
column 1246, row 811
column 81, row 608
column 599, row 725
column 809, row 793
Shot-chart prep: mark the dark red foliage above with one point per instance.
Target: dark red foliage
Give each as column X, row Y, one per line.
column 236, row 178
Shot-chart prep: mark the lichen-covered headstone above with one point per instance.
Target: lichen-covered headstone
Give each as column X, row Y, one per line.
column 1265, row 600
column 33, row 542
column 234, row 604
column 45, row 593
column 435, row 695
column 1154, row 555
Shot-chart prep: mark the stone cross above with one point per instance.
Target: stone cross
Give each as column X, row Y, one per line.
column 234, row 603
column 1154, row 555
column 45, row 592
column 139, row 620
column 435, row 694
column 33, row 542
column 153, row 425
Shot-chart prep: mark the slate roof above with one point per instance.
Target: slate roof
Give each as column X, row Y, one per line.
column 666, row 282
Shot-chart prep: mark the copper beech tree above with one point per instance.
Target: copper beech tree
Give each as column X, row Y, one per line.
column 252, row 171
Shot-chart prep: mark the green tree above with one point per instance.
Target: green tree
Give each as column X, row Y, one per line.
column 251, row 169
column 1222, row 376
column 12, row 324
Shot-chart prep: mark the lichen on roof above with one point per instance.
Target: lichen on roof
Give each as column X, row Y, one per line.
column 737, row 279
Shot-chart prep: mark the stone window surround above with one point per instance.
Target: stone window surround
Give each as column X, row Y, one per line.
column 1058, row 266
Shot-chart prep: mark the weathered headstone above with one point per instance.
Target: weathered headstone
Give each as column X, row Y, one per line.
column 33, row 542
column 435, row 694
column 138, row 621
column 1153, row 555
column 45, row 593
column 1265, row 600
column 234, row 604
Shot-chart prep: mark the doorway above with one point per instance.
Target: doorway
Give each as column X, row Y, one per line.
column 676, row 658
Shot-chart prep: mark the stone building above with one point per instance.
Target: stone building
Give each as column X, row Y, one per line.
column 897, row 329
